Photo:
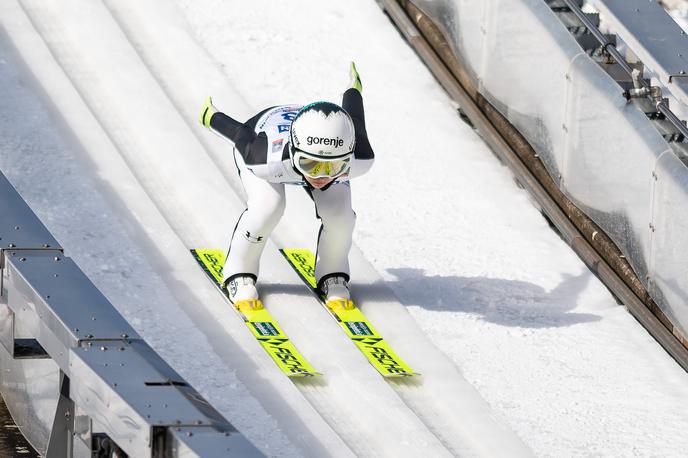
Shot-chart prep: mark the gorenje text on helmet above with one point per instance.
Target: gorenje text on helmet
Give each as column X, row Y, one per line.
column 336, row 142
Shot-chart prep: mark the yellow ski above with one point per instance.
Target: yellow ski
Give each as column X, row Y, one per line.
column 352, row 320
column 262, row 325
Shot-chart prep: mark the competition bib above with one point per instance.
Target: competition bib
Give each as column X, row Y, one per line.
column 276, row 124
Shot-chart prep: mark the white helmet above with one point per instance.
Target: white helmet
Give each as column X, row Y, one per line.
column 322, row 140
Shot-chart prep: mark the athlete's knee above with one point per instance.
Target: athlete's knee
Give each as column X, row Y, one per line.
column 268, row 208
column 340, row 222
column 275, row 206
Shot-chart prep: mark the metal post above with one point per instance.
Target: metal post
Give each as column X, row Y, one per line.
column 59, row 445
column 660, row 103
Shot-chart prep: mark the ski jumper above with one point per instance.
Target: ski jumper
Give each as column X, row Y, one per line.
column 261, row 154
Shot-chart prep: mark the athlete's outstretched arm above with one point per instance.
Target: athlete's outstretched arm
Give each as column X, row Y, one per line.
column 218, row 121
column 364, row 156
column 226, row 126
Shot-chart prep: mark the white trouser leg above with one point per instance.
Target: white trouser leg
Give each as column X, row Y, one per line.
column 265, row 206
column 333, row 207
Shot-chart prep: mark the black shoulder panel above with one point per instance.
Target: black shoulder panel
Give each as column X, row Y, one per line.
column 253, row 147
column 256, row 153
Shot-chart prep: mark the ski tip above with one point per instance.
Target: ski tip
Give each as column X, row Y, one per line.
column 408, row 378
column 402, row 374
column 311, row 380
column 306, row 375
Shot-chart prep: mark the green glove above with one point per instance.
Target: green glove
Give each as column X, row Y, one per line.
column 355, row 78
column 207, row 111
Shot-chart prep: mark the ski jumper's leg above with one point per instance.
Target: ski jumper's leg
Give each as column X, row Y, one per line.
column 333, row 207
column 265, row 204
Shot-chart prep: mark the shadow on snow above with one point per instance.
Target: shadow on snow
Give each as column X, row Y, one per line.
column 503, row 302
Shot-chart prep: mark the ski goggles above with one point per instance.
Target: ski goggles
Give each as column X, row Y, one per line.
column 321, row 167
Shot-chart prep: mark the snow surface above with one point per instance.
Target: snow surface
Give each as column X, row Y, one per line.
column 680, row 14
column 98, row 131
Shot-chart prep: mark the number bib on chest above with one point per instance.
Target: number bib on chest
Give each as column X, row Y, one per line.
column 276, row 124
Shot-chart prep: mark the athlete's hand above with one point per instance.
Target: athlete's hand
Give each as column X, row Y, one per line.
column 207, row 111
column 355, row 78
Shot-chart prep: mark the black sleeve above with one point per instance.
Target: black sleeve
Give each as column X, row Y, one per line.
column 224, row 125
column 251, row 146
column 352, row 102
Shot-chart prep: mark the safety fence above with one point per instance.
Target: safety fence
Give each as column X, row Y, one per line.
column 76, row 377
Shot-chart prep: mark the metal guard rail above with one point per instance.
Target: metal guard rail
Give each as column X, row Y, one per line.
column 76, row 377
column 661, row 104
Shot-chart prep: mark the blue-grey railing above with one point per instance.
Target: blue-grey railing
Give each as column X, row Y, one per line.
column 76, row 377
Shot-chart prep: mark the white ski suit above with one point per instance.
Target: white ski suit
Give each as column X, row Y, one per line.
column 261, row 153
